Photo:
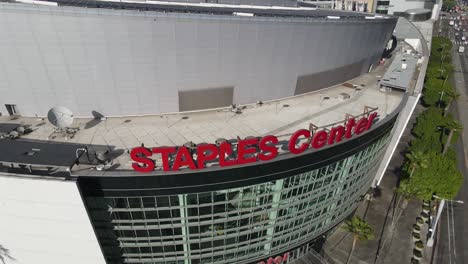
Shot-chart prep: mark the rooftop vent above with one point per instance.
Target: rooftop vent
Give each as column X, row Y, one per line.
column 13, row 134
column 344, row 96
column 243, row 14
column 32, row 152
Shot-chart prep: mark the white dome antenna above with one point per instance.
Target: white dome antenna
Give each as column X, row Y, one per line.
column 60, row 117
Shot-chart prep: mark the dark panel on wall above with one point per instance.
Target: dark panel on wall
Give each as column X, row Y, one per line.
column 320, row 80
column 205, row 98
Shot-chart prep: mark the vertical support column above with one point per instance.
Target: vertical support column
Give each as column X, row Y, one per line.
column 277, row 188
column 185, row 230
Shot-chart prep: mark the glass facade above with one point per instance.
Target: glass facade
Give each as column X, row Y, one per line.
column 241, row 225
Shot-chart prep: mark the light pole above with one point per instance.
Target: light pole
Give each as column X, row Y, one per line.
column 430, row 241
column 441, row 96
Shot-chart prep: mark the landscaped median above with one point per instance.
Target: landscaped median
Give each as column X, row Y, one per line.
column 431, row 165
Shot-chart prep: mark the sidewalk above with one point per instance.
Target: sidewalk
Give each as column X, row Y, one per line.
column 387, row 247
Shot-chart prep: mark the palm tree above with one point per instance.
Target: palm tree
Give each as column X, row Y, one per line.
column 444, row 53
column 405, row 193
column 361, row 231
column 417, row 159
column 452, row 96
column 453, row 126
column 5, row 254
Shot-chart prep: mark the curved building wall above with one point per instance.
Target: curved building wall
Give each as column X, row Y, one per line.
column 124, row 62
column 246, row 216
column 240, row 224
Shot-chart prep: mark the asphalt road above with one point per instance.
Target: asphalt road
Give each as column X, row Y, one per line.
column 452, row 246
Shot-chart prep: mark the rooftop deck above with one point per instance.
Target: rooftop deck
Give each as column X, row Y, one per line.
column 281, row 118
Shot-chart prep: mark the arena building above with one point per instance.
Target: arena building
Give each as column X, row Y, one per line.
column 202, row 133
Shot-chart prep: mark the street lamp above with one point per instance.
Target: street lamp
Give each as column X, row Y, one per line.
column 440, row 98
column 430, row 241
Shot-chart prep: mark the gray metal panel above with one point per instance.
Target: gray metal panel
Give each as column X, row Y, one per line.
column 123, row 62
column 205, row 98
column 400, row 77
column 317, row 81
column 44, row 153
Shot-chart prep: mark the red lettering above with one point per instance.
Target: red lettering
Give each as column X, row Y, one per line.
column 349, row 127
column 225, row 149
column 203, row 156
column 183, row 158
column 371, row 120
column 243, row 149
column 361, row 126
column 278, row 260
column 165, row 151
column 265, row 148
column 268, row 148
column 140, row 155
column 294, row 138
column 336, row 134
column 319, row 139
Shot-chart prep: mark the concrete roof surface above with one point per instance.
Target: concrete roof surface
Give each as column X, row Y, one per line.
column 280, row 118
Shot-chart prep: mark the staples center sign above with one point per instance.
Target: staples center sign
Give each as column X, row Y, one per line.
column 248, row 150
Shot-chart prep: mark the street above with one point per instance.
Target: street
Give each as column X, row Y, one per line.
column 453, row 228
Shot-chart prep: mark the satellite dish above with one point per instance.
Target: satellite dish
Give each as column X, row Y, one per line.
column 60, row 116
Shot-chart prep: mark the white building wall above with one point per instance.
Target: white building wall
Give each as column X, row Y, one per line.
column 45, row 222
column 127, row 62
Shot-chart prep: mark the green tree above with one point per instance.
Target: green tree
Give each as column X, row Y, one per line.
column 452, row 95
column 360, row 230
column 432, row 70
column 441, row 177
column 428, row 137
column 440, row 71
column 427, row 122
column 405, row 192
column 432, row 90
column 416, row 159
column 435, row 92
column 452, row 126
column 449, row 4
